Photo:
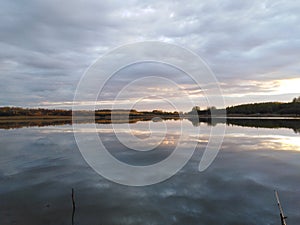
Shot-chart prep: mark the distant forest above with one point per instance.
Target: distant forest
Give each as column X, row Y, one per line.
column 255, row 109
column 17, row 111
column 292, row 108
column 40, row 112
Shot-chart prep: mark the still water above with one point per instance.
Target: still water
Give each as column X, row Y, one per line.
column 40, row 165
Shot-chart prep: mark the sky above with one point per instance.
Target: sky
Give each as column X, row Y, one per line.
column 251, row 47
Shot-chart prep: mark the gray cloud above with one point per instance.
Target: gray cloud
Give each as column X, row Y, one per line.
column 47, row 45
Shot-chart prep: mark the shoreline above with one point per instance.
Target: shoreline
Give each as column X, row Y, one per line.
column 141, row 116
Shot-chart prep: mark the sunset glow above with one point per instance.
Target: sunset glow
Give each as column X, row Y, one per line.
column 289, row 86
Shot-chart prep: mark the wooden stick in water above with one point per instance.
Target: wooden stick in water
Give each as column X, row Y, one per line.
column 74, row 206
column 282, row 217
column 73, row 199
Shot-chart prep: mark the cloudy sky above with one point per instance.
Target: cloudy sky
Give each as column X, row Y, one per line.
column 252, row 47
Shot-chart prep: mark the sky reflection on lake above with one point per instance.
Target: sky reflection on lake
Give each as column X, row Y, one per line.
column 39, row 166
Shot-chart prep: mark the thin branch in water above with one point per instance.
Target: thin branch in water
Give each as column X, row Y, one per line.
column 74, row 206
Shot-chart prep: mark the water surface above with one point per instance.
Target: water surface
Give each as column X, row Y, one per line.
column 40, row 165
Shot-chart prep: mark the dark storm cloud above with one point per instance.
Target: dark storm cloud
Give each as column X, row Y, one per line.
column 47, row 45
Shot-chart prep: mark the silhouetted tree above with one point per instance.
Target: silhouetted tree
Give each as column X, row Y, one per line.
column 296, row 100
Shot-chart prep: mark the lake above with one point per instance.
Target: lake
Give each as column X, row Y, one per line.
column 39, row 166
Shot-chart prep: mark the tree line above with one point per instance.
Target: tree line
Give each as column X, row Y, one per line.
column 256, row 109
column 17, row 111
